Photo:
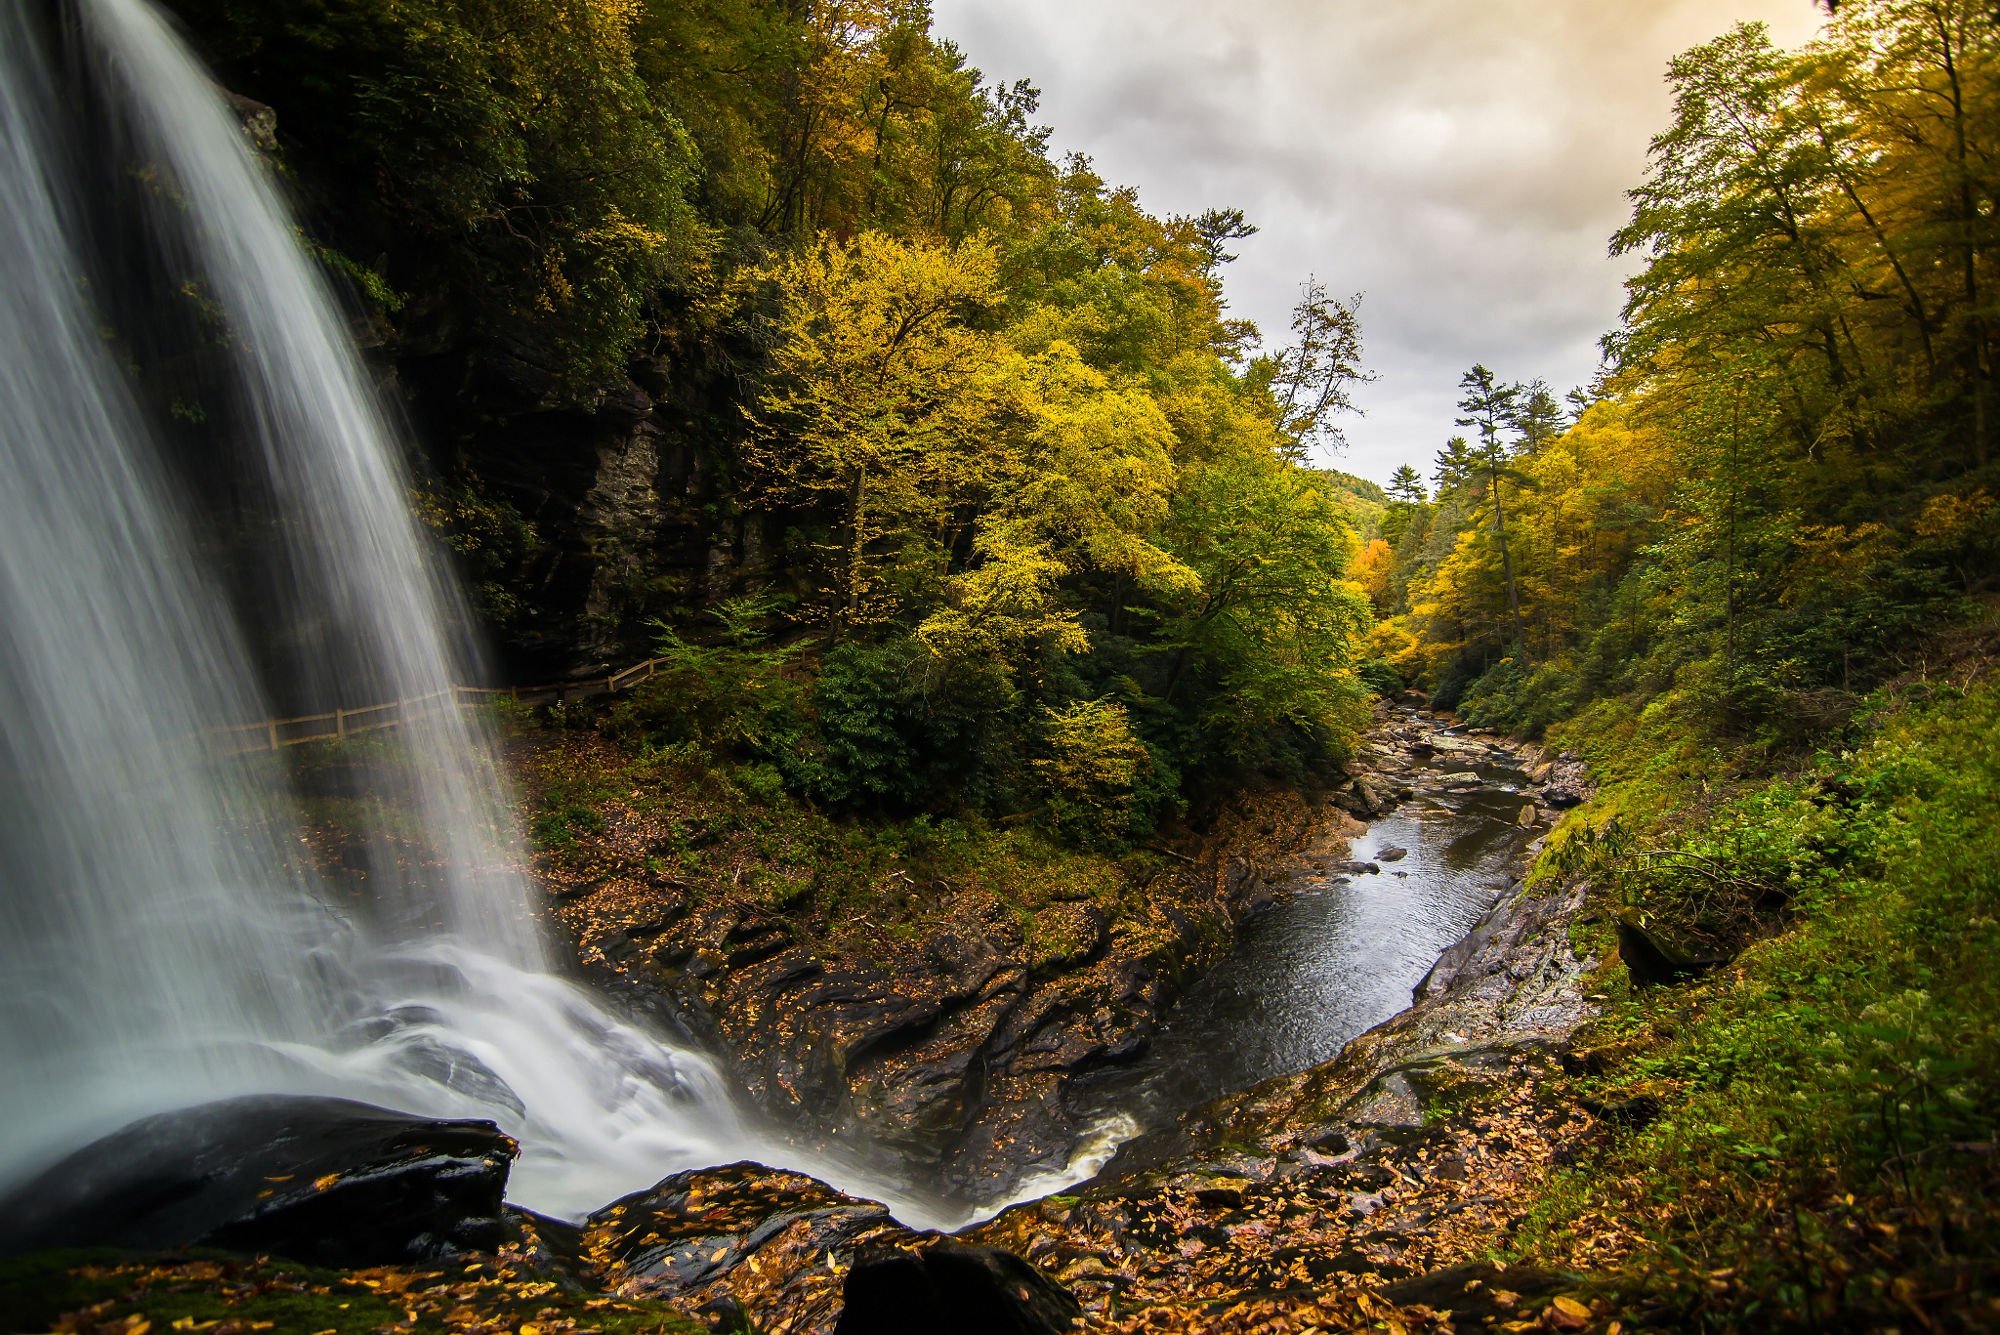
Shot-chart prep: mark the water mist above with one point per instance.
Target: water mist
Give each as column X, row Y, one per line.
column 163, row 940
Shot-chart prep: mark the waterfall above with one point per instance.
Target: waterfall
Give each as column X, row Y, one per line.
column 164, row 938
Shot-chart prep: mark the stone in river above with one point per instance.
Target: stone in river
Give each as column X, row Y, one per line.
column 1392, row 854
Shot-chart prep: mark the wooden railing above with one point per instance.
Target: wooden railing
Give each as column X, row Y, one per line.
column 274, row 734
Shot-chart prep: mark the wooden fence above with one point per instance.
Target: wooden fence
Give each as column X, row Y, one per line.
column 274, row 734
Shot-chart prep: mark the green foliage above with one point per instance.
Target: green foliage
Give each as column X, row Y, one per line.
column 1842, row 1074
column 731, row 696
column 1519, row 699
column 510, row 158
column 886, row 729
column 1091, row 770
column 1381, row 677
column 489, row 538
column 1269, row 645
column 1009, row 447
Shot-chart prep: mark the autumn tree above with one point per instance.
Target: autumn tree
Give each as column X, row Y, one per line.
column 874, row 409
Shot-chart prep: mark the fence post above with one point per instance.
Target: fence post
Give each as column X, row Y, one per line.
column 271, row 731
column 340, row 723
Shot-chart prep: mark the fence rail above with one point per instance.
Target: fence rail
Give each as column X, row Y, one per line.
column 277, row 733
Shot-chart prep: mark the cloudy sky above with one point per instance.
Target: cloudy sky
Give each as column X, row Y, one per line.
column 1460, row 164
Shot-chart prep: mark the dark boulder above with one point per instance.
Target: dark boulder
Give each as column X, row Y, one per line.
column 324, row 1181
column 693, row 1237
column 1652, row 961
column 1638, row 1112
column 952, row 1286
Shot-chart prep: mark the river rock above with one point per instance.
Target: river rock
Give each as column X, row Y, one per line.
column 767, row 1241
column 1464, row 778
column 787, row 1252
column 1392, row 854
column 1359, row 798
column 952, row 1286
column 1651, row 960
column 324, row 1181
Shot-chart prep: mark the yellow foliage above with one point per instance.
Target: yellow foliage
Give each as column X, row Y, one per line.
column 1092, row 756
column 1372, row 570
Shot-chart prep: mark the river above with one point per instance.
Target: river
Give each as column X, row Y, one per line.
column 1340, row 950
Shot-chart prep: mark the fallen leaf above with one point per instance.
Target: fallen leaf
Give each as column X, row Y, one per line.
column 1567, row 1314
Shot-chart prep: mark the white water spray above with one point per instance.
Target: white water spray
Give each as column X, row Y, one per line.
column 161, row 941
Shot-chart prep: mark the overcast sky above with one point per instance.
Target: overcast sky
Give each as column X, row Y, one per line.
column 1460, row 164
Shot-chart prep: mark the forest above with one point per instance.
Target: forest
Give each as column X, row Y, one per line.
column 1006, row 620
column 1022, row 516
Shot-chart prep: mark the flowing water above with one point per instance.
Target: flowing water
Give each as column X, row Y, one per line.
column 1338, row 955
column 162, row 942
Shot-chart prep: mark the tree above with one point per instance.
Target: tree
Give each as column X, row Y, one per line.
column 1080, row 485
column 876, row 409
column 1273, row 631
column 1217, row 228
column 1488, row 406
column 1535, row 415
column 1311, row 381
column 1407, row 484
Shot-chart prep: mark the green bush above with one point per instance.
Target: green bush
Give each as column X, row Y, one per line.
column 1091, row 769
column 1519, row 700
column 1380, row 677
column 737, row 696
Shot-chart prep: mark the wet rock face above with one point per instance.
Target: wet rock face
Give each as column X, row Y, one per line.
column 764, row 1242
column 619, row 523
column 325, row 1181
column 953, row 1047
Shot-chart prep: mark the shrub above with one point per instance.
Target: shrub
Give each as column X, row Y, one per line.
column 1091, row 769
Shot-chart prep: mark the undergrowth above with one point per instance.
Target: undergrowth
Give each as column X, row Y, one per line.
column 1809, row 1136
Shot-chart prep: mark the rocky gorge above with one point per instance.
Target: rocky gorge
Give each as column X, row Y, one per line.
column 1367, row 1176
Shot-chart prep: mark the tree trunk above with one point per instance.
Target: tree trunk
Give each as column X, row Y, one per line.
column 1981, row 360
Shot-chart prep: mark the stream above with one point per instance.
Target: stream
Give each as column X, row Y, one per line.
column 1340, row 950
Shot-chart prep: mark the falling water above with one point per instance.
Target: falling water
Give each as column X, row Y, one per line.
column 162, row 940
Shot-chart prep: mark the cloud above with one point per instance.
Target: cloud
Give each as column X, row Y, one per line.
column 1461, row 163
